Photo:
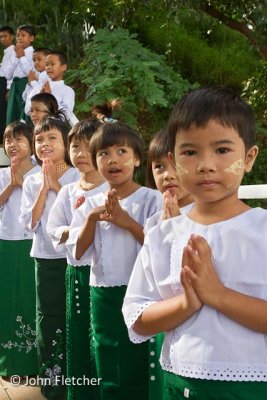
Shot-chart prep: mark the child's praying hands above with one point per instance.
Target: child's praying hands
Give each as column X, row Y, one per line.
column 170, row 205
column 50, row 175
column 201, row 272
column 46, row 88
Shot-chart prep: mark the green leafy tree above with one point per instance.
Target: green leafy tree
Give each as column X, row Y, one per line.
column 116, row 65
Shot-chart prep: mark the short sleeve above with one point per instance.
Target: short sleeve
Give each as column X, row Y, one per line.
column 27, row 200
column 59, row 218
column 141, row 293
column 78, row 220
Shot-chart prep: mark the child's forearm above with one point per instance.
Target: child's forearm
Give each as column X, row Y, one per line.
column 64, row 236
column 38, row 207
column 135, row 229
column 86, row 236
column 248, row 311
column 4, row 196
column 163, row 316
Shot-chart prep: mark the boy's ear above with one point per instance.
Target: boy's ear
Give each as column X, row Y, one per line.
column 64, row 67
column 32, row 38
column 250, row 158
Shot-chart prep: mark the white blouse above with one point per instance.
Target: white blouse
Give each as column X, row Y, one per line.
column 42, row 246
column 156, row 218
column 20, row 67
column 63, row 93
column 114, row 250
column 61, row 214
column 9, row 54
column 208, row 345
column 10, row 227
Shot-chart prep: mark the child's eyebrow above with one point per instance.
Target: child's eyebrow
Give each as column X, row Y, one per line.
column 223, row 141
column 215, row 143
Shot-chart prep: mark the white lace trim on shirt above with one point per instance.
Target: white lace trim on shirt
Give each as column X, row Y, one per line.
column 218, row 372
column 130, row 321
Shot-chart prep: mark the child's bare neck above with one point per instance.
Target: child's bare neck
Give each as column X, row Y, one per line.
column 125, row 190
column 60, row 78
column 90, row 180
column 213, row 212
column 25, row 165
column 185, row 201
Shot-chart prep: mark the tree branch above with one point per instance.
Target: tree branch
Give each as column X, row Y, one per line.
column 238, row 26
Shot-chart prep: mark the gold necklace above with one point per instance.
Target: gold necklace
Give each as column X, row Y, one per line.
column 61, row 167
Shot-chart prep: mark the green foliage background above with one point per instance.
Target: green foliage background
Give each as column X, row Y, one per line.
column 150, row 52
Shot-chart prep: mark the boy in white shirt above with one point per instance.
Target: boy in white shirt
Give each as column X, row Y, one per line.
column 56, row 65
column 201, row 277
column 6, row 39
column 36, row 77
column 19, row 68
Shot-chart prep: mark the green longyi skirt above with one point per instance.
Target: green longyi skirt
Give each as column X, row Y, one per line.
column 51, row 325
column 18, row 355
column 122, row 365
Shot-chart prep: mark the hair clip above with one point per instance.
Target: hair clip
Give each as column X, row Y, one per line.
column 109, row 120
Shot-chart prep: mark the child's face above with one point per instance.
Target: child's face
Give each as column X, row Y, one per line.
column 24, row 38
column 165, row 177
column 18, row 146
column 39, row 61
column 54, row 69
column 80, row 155
column 50, row 144
column 38, row 111
column 116, row 164
column 211, row 161
column 6, row 38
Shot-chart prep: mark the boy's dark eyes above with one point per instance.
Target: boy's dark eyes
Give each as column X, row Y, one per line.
column 189, row 152
column 222, row 150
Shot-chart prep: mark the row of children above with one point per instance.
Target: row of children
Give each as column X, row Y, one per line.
column 200, row 276
column 25, row 72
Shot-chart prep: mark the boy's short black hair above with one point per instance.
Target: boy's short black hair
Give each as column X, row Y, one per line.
column 115, row 133
column 18, row 128
column 159, row 147
column 61, row 55
column 47, row 124
column 28, row 28
column 221, row 104
column 8, row 29
column 83, row 130
column 44, row 50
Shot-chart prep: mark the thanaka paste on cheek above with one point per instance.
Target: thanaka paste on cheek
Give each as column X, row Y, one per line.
column 132, row 163
column 237, row 168
column 23, row 146
column 180, row 170
column 129, row 163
